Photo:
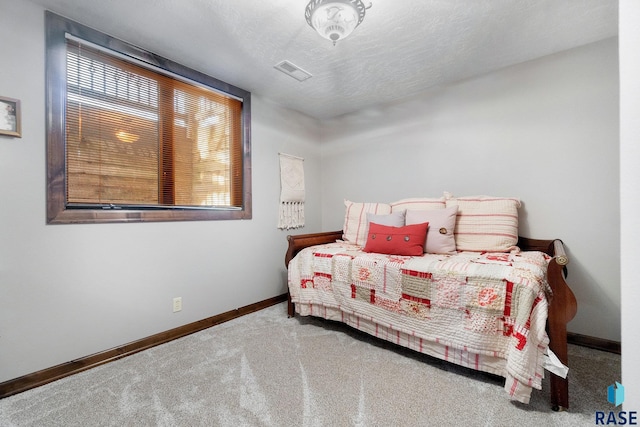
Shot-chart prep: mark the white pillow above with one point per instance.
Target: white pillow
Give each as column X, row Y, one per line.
column 394, row 219
column 355, row 220
column 418, row 204
column 440, row 235
column 486, row 223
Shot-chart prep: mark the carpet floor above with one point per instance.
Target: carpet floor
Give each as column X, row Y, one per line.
column 265, row 369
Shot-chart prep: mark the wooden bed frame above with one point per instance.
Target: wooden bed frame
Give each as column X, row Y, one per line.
column 562, row 307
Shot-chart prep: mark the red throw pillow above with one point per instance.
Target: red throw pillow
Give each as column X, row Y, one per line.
column 408, row 240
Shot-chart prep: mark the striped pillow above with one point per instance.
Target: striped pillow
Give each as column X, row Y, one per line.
column 418, row 204
column 486, row 223
column 355, row 220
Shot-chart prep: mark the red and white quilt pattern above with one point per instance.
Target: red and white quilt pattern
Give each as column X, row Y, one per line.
column 486, row 311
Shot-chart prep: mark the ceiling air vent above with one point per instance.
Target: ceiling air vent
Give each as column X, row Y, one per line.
column 292, row 70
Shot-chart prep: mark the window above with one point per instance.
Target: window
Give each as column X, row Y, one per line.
column 136, row 137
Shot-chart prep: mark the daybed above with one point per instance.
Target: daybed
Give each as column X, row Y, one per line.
column 475, row 294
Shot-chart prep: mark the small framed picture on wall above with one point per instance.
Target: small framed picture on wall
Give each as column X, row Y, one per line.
column 10, row 117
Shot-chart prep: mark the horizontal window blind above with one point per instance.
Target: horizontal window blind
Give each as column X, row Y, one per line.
column 137, row 137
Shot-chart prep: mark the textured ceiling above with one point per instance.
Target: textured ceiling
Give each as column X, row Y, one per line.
column 402, row 47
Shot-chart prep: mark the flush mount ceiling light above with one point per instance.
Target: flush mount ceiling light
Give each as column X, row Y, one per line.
column 335, row 19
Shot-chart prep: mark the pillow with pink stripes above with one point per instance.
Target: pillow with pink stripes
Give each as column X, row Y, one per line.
column 486, row 223
column 355, row 226
column 418, row 204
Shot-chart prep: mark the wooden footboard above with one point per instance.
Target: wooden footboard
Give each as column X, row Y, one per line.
column 562, row 307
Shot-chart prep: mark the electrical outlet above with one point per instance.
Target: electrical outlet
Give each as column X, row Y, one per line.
column 177, row 304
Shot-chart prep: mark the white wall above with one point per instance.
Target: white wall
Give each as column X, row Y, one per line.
column 68, row 291
column 546, row 131
column 630, row 196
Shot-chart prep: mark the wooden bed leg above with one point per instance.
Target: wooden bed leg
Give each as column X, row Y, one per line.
column 559, row 394
column 559, row 385
column 291, row 312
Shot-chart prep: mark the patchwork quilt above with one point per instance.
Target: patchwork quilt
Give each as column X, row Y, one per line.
column 485, row 311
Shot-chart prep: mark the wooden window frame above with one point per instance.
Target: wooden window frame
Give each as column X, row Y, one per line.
column 58, row 210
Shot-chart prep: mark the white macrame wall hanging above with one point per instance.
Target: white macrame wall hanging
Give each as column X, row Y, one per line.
column 291, row 192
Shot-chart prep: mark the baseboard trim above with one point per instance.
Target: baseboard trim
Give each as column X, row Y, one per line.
column 36, row 379
column 595, row 343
